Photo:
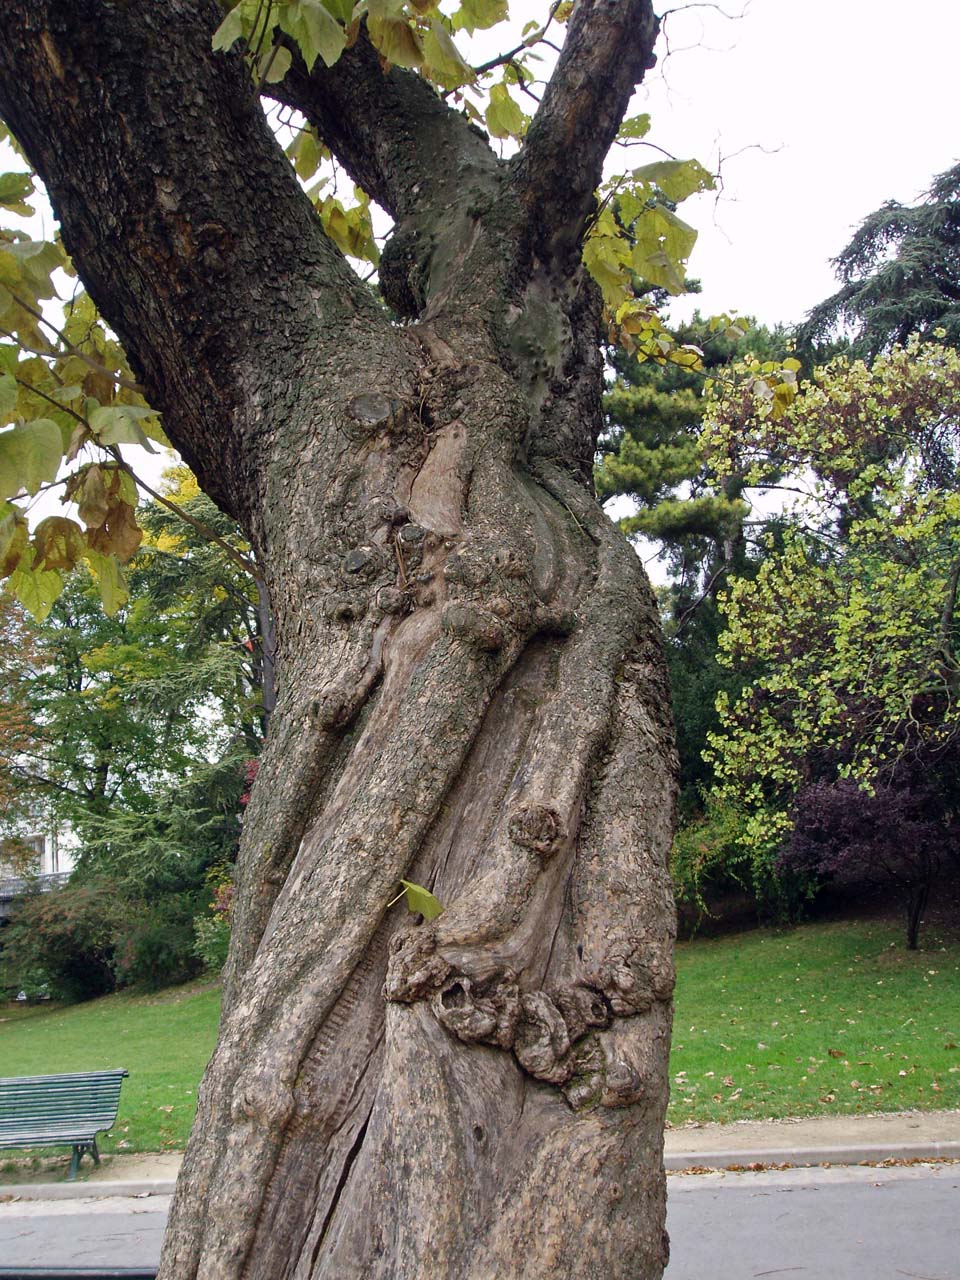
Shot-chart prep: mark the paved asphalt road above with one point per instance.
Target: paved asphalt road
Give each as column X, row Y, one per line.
column 816, row 1224
column 799, row 1224
column 82, row 1233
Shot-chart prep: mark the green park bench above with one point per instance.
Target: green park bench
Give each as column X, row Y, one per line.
column 59, row 1111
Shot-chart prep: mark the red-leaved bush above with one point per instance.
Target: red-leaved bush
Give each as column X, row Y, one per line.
column 900, row 834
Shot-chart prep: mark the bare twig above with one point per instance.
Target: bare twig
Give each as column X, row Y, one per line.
column 247, row 565
column 702, row 4
column 535, row 38
column 688, row 613
column 74, row 351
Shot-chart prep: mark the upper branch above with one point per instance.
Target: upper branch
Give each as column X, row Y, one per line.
column 182, row 216
column 608, row 48
column 392, row 133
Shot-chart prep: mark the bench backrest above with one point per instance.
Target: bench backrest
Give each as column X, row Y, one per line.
column 87, row 1097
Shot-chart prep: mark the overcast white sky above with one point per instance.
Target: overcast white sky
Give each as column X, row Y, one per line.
column 823, row 110
column 858, row 98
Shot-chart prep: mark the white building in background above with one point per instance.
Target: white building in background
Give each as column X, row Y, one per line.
column 50, row 857
column 53, row 853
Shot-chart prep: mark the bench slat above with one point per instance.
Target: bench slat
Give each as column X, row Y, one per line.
column 66, row 1077
column 58, row 1110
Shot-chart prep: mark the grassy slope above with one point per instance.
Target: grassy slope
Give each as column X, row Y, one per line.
column 823, row 1018
column 164, row 1041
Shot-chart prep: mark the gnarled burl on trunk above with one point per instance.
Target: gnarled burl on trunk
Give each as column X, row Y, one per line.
column 471, row 693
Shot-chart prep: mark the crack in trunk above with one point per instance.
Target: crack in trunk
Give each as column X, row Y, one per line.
column 341, row 1185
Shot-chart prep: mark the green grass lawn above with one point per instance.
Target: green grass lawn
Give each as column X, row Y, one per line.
column 163, row 1040
column 818, row 1019
column 823, row 1018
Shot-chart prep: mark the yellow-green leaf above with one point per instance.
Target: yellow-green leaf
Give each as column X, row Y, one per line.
column 111, row 580
column 14, row 188
column 420, row 900
column 474, row 15
column 120, row 424
column 634, row 128
column 30, row 455
column 351, row 230
column 342, row 10
column 442, row 60
column 503, row 117
column 607, row 258
column 276, row 64
column 36, row 589
column 315, row 29
column 36, row 261
column 306, row 153
column 8, row 396
column 392, row 35
column 14, row 536
column 128, row 488
column 87, row 488
column 663, row 244
column 229, row 31
column 677, row 179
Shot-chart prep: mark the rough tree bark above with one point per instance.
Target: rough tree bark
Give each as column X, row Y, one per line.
column 470, row 687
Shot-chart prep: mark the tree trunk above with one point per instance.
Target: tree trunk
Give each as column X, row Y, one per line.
column 470, row 688
column 918, row 896
column 500, row 1111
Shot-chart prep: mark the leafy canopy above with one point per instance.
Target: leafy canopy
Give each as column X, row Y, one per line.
column 900, row 274
column 848, row 626
column 704, row 527
column 67, row 399
column 104, row 713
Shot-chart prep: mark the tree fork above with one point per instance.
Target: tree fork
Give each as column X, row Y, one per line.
column 470, row 688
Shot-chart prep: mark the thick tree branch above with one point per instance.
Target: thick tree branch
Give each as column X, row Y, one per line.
column 180, row 212
column 608, row 48
column 392, row 133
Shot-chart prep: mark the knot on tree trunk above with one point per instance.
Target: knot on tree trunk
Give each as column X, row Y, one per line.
column 415, row 969
column 369, row 413
column 634, row 978
column 557, row 1037
column 537, row 827
column 542, row 1044
column 475, row 1012
column 474, row 626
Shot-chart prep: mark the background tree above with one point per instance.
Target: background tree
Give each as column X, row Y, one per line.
column 705, row 531
column 19, row 735
column 900, row 275
column 470, row 688
column 901, row 834
column 849, row 624
column 198, row 573
column 119, row 705
column 143, row 726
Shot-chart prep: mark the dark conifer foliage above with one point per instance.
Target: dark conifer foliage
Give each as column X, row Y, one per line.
column 900, row 274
